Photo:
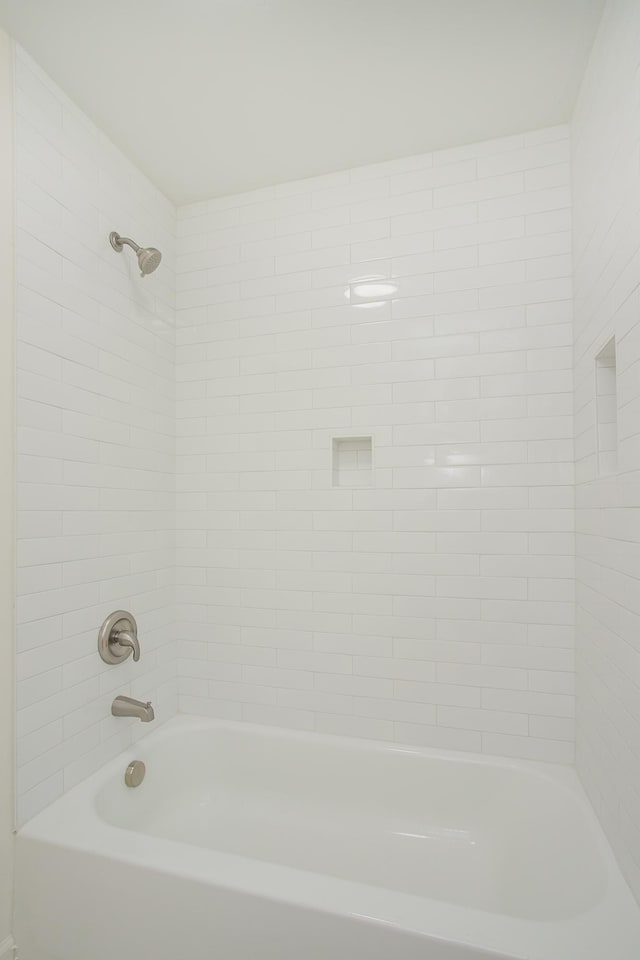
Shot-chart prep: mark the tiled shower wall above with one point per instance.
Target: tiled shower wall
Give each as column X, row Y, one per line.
column 95, row 442
column 374, row 495
column 607, row 289
column 429, row 600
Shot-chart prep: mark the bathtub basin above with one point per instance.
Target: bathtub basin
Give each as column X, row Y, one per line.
column 247, row 842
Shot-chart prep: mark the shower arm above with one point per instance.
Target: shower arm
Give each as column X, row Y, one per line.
column 117, row 242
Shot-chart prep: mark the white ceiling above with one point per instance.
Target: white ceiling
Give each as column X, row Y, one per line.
column 210, row 97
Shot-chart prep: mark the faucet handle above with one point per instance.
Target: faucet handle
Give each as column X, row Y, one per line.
column 126, row 639
column 118, row 638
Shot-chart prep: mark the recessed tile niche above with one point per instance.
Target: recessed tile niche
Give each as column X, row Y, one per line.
column 607, row 409
column 352, row 461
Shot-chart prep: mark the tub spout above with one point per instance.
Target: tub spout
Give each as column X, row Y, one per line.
column 128, row 707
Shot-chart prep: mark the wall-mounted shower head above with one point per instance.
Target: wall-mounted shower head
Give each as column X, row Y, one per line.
column 148, row 257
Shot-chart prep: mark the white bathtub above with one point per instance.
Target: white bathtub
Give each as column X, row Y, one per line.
column 246, row 843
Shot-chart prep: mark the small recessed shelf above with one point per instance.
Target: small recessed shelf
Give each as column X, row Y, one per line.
column 352, row 461
column 607, row 409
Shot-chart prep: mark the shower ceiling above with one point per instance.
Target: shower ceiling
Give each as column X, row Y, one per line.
column 210, row 97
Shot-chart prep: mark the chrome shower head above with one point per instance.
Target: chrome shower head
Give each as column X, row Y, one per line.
column 148, row 257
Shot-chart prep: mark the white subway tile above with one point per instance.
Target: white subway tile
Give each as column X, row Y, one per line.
column 530, row 748
column 96, row 382
column 372, row 612
column 606, row 244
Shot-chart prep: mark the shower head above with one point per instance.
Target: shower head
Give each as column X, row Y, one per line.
column 148, row 257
